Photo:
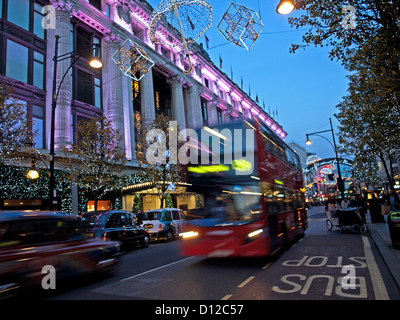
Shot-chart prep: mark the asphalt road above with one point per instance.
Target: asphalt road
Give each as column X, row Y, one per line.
column 323, row 265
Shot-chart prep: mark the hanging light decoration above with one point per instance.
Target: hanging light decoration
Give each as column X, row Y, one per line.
column 190, row 17
column 133, row 60
column 241, row 26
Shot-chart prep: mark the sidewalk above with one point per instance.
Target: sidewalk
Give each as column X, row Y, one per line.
column 381, row 236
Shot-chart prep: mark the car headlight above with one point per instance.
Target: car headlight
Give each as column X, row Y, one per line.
column 189, row 234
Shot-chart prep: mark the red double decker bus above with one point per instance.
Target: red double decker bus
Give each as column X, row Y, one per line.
column 250, row 205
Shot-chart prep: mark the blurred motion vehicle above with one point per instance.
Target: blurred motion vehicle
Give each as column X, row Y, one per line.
column 31, row 240
column 164, row 223
column 250, row 185
column 117, row 225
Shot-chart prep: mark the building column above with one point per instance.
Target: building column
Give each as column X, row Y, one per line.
column 147, row 99
column 194, row 117
column 62, row 133
column 112, row 86
column 212, row 112
column 178, row 103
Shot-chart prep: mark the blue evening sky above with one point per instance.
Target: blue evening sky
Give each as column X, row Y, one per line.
column 303, row 88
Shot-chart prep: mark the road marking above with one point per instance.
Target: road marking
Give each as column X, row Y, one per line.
column 267, row 265
column 246, row 282
column 227, row 297
column 376, row 277
column 155, row 269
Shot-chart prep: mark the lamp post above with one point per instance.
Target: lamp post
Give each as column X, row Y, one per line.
column 340, row 182
column 96, row 63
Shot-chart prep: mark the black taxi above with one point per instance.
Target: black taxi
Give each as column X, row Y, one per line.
column 116, row 225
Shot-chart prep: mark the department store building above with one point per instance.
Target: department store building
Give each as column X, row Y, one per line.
column 206, row 96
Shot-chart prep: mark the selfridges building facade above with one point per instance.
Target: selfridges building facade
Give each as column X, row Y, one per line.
column 206, row 96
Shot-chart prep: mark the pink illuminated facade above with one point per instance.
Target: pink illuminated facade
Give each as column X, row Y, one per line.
column 204, row 97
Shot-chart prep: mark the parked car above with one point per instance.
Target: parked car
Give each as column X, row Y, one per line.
column 117, row 225
column 164, row 223
column 29, row 241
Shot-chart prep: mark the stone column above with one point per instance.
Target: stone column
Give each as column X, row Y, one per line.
column 178, row 103
column 194, row 117
column 212, row 112
column 63, row 134
column 147, row 98
column 112, row 86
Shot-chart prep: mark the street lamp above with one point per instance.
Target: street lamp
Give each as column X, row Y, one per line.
column 309, row 142
column 33, row 173
column 285, row 6
column 96, row 63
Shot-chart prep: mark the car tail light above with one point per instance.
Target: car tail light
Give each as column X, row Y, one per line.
column 159, row 227
column 105, row 236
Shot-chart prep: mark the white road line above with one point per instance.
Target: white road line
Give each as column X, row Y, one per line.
column 155, row 269
column 246, row 282
column 267, row 265
column 227, row 297
column 376, row 277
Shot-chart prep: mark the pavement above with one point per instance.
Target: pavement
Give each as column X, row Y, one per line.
column 380, row 234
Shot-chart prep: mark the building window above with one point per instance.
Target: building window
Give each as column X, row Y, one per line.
column 96, row 3
column 157, row 101
column 137, row 115
column 17, row 61
column 88, row 89
column 97, row 92
column 38, row 126
column 204, row 111
column 18, row 13
column 38, row 70
column 83, row 41
column 19, row 58
column 25, row 14
column 37, row 21
column 108, row 10
column 162, row 94
column 219, row 116
column 87, row 84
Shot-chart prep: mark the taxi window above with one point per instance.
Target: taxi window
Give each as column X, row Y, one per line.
column 175, row 215
column 36, row 231
column 125, row 220
column 115, row 221
column 152, row 215
column 167, row 215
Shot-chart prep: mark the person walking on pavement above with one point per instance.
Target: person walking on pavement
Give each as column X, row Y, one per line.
column 375, row 209
column 393, row 200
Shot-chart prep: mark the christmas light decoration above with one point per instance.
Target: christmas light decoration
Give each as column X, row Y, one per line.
column 191, row 17
column 132, row 60
column 240, row 25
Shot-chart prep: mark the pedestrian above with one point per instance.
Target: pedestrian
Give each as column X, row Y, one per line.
column 375, row 209
column 393, row 200
column 345, row 203
column 139, row 217
column 361, row 205
column 382, row 198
